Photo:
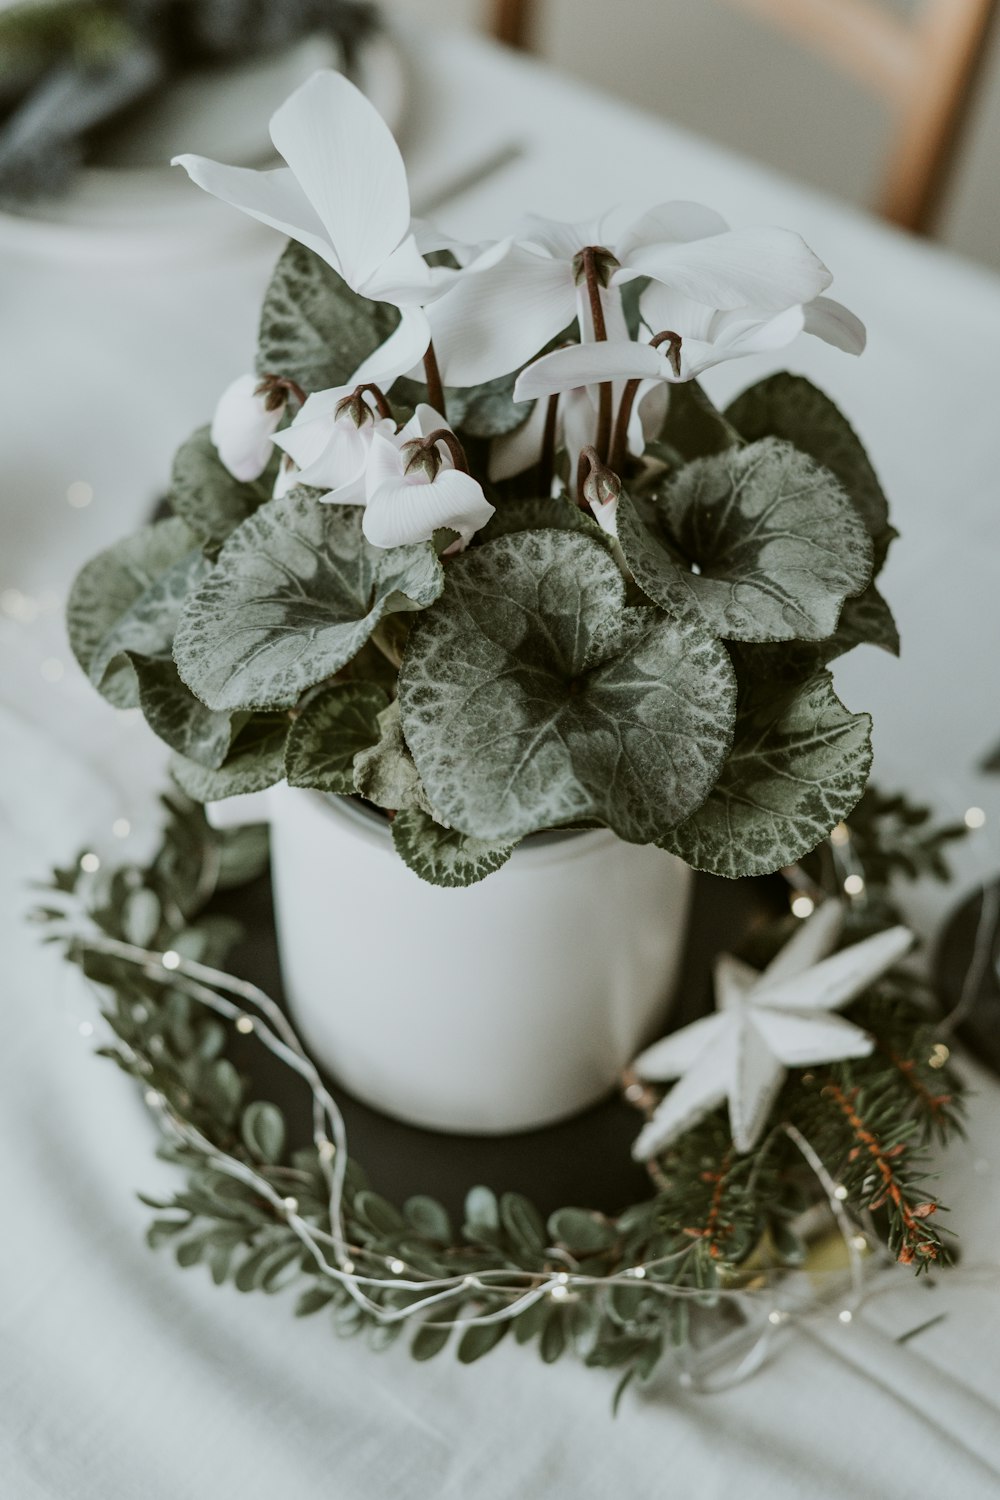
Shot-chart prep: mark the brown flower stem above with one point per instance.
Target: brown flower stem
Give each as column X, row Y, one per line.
column 602, row 442
column 381, row 400
column 547, row 462
column 451, row 442
column 432, row 375
column 619, row 443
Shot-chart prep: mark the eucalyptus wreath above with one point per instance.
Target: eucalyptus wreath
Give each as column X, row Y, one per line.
column 720, row 1231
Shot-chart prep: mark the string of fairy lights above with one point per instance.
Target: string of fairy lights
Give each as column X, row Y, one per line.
column 362, row 1271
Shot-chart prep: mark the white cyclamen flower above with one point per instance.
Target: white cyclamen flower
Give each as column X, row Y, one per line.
column 501, row 311
column 242, row 428
column 408, row 500
column 344, row 195
column 330, row 441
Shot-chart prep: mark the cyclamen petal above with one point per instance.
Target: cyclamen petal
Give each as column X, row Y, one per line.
column 400, row 513
column 242, row 429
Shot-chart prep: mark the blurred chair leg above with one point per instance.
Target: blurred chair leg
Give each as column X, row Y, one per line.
column 512, row 22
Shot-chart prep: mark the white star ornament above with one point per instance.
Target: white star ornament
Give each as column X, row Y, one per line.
column 765, row 1024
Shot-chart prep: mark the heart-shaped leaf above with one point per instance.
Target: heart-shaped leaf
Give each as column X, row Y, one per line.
column 313, row 328
column 537, row 513
column 179, row 718
column 129, row 598
column 384, row 773
column 331, row 729
column 776, row 542
column 693, row 427
column 798, row 765
column 443, row 856
column 207, row 496
column 532, row 697
column 790, row 407
column 296, row 592
column 256, row 761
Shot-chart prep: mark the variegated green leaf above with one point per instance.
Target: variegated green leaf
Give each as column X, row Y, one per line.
column 532, row 697
column 332, row 728
column 295, row 594
column 443, row 856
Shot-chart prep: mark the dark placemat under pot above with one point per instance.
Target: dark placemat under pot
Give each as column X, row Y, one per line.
column 584, row 1161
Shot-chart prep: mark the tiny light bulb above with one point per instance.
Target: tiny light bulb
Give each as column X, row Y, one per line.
column 854, row 885
column 840, row 835
column 153, row 1098
column 397, row 1267
column 638, row 1272
column 121, row 828
column 803, row 906
column 858, row 1242
column 291, row 1205
column 79, row 494
column 845, row 1315
column 974, row 817
column 89, row 864
column 85, row 1028
column 939, row 1055
column 244, row 1024
column 840, row 1193
column 347, row 1267
column 170, row 959
column 559, row 1292
column 327, row 1150
column 562, row 1278
column 775, row 1316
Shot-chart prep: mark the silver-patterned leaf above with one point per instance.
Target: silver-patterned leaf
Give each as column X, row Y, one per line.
column 532, row 697
column 790, row 407
column 798, row 765
column 313, row 328
column 179, row 718
column 384, row 772
column 207, row 496
column 331, row 729
column 443, row 856
column 776, row 544
column 256, row 762
column 129, row 598
column 295, row 594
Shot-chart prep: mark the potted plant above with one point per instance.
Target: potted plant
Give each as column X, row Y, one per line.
column 521, row 625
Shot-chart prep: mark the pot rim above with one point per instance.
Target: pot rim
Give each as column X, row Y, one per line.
column 552, row 845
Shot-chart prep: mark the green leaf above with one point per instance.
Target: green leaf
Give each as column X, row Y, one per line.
column 257, row 761
column 429, row 1340
column 538, row 513
column 223, row 1090
column 866, row 620
column 482, row 1214
column 693, row 427
column 179, row 718
column 798, row 765
column 428, row 1218
column 443, row 856
column 521, row 1220
column 532, row 697
column 489, row 410
column 207, row 496
column 314, row 1300
column 384, row 773
column 381, row 1216
column 479, row 1340
column 313, row 328
column 331, row 729
column 129, row 598
column 580, row 1230
column 295, row 594
column 553, row 1340
column 790, row 407
column 263, row 1130
column 777, row 545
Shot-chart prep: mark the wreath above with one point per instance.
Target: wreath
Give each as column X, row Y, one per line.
column 717, row 1246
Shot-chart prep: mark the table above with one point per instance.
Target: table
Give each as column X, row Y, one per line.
column 123, row 1378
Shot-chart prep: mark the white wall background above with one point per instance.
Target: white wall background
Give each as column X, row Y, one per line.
column 717, row 71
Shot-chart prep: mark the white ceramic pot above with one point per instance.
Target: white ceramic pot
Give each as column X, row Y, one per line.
column 499, row 1007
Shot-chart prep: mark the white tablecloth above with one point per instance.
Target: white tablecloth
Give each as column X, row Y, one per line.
column 121, row 1377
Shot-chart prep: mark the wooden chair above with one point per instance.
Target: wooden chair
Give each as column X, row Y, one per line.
column 925, row 69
